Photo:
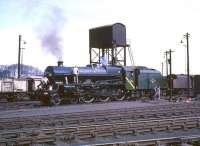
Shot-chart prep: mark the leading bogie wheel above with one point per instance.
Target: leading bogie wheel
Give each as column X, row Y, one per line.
column 55, row 99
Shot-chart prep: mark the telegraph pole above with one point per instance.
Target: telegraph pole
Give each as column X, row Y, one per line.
column 166, row 58
column 19, row 55
column 170, row 71
column 188, row 63
column 186, row 36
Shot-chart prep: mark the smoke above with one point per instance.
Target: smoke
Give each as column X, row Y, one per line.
column 48, row 20
column 50, row 30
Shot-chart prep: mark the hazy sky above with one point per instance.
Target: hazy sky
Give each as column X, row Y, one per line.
column 153, row 26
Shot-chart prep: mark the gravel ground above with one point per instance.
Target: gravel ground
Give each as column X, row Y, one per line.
column 78, row 108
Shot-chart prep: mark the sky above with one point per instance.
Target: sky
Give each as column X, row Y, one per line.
column 59, row 29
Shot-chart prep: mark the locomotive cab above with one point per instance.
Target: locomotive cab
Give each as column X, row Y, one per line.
column 128, row 78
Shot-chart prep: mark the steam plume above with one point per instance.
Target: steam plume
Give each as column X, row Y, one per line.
column 50, row 20
column 50, row 35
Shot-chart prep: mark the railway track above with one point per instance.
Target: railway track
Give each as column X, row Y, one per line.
column 141, row 113
column 70, row 134
column 18, row 105
column 28, row 105
column 104, row 123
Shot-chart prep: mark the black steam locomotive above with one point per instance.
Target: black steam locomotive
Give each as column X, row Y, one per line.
column 99, row 83
column 87, row 84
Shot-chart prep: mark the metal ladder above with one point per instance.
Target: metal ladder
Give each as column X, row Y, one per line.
column 130, row 51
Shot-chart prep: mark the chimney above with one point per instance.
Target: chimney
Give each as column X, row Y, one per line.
column 60, row 63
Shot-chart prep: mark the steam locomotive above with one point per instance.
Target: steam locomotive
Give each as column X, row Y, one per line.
column 87, row 84
column 98, row 83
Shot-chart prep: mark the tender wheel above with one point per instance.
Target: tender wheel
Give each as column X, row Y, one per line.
column 87, row 99
column 129, row 95
column 55, row 99
column 121, row 95
column 104, row 99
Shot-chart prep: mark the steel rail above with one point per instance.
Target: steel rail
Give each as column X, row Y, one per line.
column 69, row 133
column 88, row 118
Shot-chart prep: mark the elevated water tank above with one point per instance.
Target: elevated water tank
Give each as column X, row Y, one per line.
column 108, row 36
